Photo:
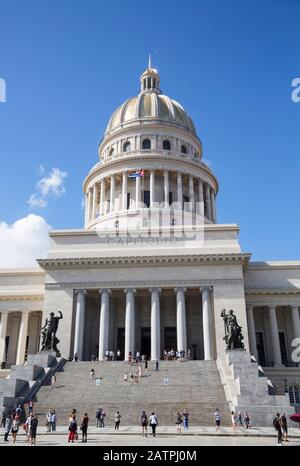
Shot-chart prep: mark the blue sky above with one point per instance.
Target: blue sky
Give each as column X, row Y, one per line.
column 68, row 64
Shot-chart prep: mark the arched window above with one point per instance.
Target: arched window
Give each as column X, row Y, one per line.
column 111, row 152
column 294, row 394
column 183, row 149
column 146, row 144
column 166, row 145
column 126, row 146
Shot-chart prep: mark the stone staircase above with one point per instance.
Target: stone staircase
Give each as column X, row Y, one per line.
column 191, row 385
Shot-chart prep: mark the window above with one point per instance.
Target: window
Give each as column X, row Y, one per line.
column 126, row 147
column 166, row 145
column 146, row 144
column 128, row 201
column 260, row 349
column 283, row 348
column 147, row 198
column 111, row 152
column 294, row 394
column 183, row 149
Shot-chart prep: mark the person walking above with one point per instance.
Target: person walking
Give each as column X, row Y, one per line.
column 53, row 421
column 156, row 365
column 15, row 427
column 27, row 426
column 240, row 420
column 102, row 416
column 118, row 355
column 84, row 427
column 75, row 357
column 146, row 365
column 53, row 380
column 284, row 427
column 178, row 422
column 153, row 423
column 92, row 374
column 217, row 417
column 125, row 378
column 144, row 423
column 117, row 420
column 33, row 430
column 247, row 421
column 72, row 429
column 277, row 427
column 7, row 427
column 234, row 421
column 185, row 416
column 48, row 420
column 98, row 414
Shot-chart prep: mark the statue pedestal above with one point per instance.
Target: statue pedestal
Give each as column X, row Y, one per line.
column 248, row 389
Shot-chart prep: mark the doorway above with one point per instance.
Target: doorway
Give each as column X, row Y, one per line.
column 170, row 338
column 121, row 342
column 146, row 342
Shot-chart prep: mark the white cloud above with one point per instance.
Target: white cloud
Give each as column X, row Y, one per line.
column 51, row 185
column 24, row 241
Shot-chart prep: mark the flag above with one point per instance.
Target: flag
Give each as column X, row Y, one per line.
column 136, row 174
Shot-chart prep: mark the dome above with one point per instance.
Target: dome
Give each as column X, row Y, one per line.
column 149, row 105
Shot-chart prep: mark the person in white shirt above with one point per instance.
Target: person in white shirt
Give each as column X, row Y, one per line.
column 153, row 423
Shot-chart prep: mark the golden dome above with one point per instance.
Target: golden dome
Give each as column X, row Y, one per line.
column 150, row 106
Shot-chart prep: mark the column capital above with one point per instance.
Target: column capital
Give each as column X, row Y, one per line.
column 180, row 288
column 155, row 289
column 104, row 290
column 126, row 290
column 77, row 291
column 205, row 288
column 295, row 306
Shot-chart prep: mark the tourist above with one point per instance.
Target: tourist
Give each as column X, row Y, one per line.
column 129, row 358
column 106, row 355
column 247, row 421
column 156, row 365
column 84, row 427
column 118, row 355
column 233, row 421
column 18, row 410
column 7, row 427
column 92, row 374
column 144, row 423
column 136, row 377
column 217, row 417
column 102, row 416
column 27, row 426
column 75, row 357
column 72, row 429
column 117, row 420
column 48, row 420
column 240, row 420
column 185, row 416
column 277, row 427
column 132, row 378
column 15, row 427
column 178, row 422
column 284, row 427
column 32, row 430
column 53, row 421
column 98, row 414
column 140, row 371
column 53, row 379
column 125, row 378
column 153, row 423
column 146, row 365
column 30, row 406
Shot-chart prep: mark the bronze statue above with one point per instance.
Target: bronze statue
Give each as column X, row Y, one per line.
column 233, row 332
column 48, row 333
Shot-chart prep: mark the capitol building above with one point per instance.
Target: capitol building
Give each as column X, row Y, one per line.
column 152, row 269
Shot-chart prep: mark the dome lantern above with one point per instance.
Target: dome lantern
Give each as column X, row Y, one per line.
column 150, row 79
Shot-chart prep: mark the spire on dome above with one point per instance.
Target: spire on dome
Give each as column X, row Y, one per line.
column 150, row 79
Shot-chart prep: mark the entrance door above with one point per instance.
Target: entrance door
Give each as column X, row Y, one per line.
column 121, row 342
column 170, row 338
column 146, row 342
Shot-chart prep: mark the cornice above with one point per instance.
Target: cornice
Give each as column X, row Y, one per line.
column 267, row 292
column 91, row 262
column 20, row 297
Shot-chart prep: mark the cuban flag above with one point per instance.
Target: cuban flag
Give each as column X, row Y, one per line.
column 136, row 174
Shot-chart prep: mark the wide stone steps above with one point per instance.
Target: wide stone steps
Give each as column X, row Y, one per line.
column 191, row 385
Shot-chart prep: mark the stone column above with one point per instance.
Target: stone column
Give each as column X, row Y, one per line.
column 191, row 193
column 138, row 192
column 104, row 324
column 201, row 198
column 213, row 205
column 88, row 205
column 275, row 336
column 207, row 324
column 155, row 324
column 124, row 191
column 179, row 190
column 3, row 328
column 296, row 321
column 79, row 323
column 112, row 193
column 94, row 201
column 181, row 320
column 152, row 187
column 129, row 323
column 22, row 338
column 207, row 195
column 251, row 331
column 166, row 188
column 102, row 197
